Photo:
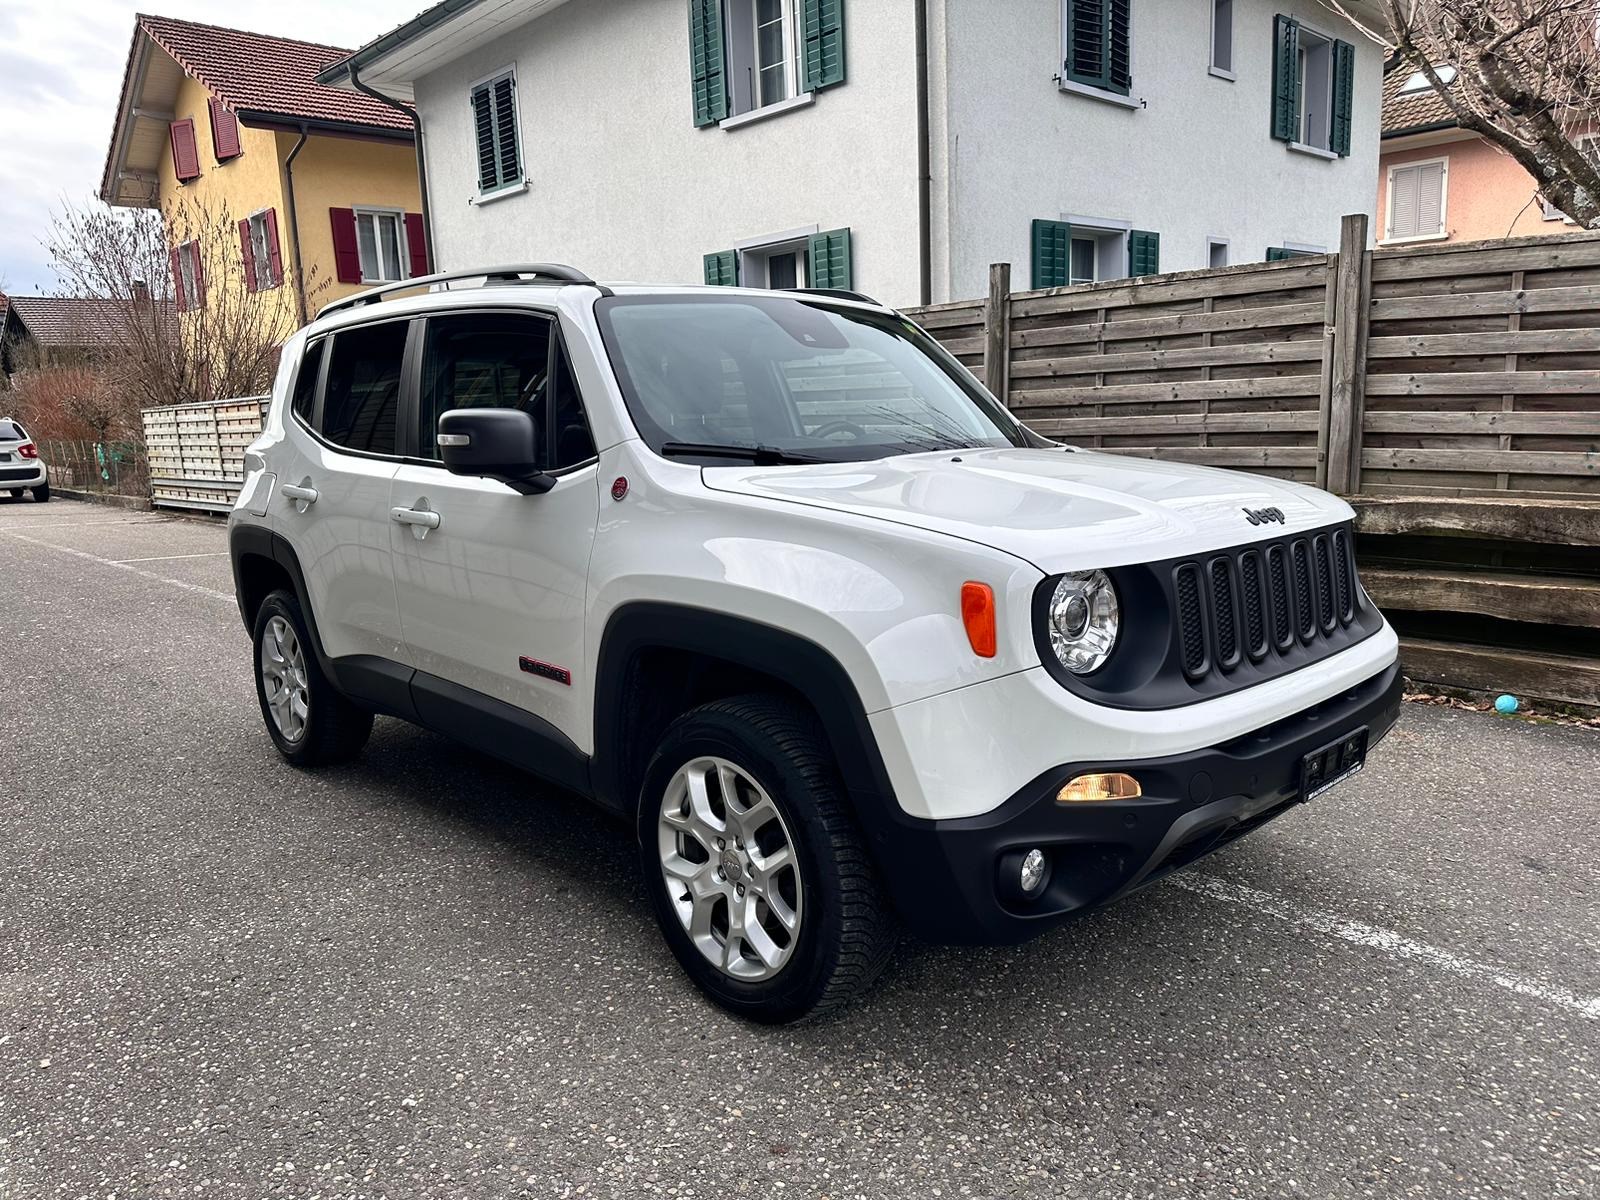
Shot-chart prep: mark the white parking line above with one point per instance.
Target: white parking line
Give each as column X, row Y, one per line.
column 121, row 566
column 169, row 557
column 1388, row 941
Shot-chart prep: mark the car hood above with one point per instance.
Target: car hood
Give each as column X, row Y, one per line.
column 1062, row 510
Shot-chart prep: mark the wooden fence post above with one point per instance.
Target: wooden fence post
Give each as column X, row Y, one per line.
column 1347, row 391
column 997, row 333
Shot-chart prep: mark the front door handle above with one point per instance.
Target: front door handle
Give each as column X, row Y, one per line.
column 302, row 493
column 420, row 518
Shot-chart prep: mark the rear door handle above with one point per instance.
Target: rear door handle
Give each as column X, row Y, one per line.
column 302, row 493
column 420, row 519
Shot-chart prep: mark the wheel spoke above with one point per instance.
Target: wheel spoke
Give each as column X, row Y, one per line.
column 751, row 820
column 781, row 912
column 708, row 827
column 767, row 866
column 760, row 941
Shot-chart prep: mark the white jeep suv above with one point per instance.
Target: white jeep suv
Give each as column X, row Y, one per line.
column 772, row 577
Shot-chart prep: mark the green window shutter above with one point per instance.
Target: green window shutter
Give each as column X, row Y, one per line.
column 829, row 256
column 722, row 268
column 1144, row 253
column 823, row 24
column 1099, row 46
column 707, row 62
column 1344, row 87
column 494, row 118
column 1285, row 78
column 1283, row 254
column 1052, row 254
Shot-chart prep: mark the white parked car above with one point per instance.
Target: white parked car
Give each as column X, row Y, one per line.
column 772, row 577
column 21, row 468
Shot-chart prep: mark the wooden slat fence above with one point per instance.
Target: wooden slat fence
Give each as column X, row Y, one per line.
column 1452, row 392
column 196, row 451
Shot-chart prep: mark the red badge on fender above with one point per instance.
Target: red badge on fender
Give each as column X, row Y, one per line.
column 619, row 487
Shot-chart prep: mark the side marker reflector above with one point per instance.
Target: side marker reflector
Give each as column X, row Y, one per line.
column 977, row 614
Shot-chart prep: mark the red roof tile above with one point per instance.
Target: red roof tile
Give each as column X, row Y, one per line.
column 257, row 73
column 1423, row 109
column 74, row 321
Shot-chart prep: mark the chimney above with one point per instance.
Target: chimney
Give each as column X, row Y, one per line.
column 141, row 292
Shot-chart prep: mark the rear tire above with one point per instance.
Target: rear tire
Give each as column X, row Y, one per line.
column 771, row 753
column 16, row 493
column 40, row 493
column 310, row 721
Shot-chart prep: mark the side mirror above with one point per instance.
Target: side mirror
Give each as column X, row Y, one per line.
column 494, row 443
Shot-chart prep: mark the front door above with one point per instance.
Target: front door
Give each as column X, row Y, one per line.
column 492, row 584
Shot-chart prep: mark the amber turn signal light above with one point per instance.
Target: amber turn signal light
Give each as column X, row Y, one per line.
column 977, row 614
column 1099, row 787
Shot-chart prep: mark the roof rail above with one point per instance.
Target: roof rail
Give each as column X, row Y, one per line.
column 555, row 273
column 837, row 294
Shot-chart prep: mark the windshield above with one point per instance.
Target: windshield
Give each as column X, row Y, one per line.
column 791, row 376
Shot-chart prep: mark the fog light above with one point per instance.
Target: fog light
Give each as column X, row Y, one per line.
column 1099, row 787
column 1032, row 875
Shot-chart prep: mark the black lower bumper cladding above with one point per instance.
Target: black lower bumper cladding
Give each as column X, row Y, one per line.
column 949, row 883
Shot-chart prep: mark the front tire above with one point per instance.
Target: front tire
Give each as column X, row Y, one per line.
column 41, row 493
column 309, row 721
column 758, row 876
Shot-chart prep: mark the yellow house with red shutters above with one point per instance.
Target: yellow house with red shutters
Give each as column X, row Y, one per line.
column 269, row 181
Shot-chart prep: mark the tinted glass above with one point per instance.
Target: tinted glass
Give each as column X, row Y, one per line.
column 484, row 360
column 305, row 383
column 573, row 441
column 10, row 431
column 363, row 390
column 832, row 383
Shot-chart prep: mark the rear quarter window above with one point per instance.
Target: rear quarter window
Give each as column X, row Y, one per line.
column 10, row 431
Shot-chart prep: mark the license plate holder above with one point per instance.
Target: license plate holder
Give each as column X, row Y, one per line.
column 1332, row 764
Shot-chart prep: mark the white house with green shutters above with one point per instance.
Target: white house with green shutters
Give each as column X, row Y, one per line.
column 894, row 146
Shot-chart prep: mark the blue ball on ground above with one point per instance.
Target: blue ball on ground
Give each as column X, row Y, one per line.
column 1506, row 705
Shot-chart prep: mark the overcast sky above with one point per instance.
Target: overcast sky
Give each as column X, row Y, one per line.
column 60, row 73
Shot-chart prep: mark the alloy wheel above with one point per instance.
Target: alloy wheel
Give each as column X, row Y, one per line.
column 730, row 869
column 283, row 676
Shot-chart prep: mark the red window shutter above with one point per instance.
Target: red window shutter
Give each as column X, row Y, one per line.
column 274, row 254
column 346, row 253
column 249, row 252
column 417, row 241
column 177, row 279
column 185, row 155
column 224, row 131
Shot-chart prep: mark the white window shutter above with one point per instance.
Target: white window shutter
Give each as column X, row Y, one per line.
column 1430, row 198
column 1403, row 202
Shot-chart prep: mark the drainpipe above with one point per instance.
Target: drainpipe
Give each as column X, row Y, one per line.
column 415, row 117
column 294, row 225
column 924, row 170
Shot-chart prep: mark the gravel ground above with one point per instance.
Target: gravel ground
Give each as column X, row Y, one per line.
column 424, row 975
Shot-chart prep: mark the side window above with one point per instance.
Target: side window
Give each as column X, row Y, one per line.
column 573, row 442
column 305, row 383
column 484, row 360
column 362, row 395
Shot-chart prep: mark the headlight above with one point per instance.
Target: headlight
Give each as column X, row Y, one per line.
column 1083, row 620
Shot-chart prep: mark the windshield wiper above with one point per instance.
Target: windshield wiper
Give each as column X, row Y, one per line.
column 761, row 456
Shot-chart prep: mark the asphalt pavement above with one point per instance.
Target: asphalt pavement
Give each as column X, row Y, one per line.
column 427, row 975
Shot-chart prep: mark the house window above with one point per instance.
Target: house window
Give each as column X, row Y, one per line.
column 761, row 53
column 262, row 251
column 188, row 277
column 1096, row 44
column 1418, row 82
column 1216, row 252
column 1313, row 89
column 1591, row 147
column 494, row 116
column 777, row 266
column 1416, row 199
column 1222, row 38
column 380, row 234
column 799, row 258
column 1091, row 249
column 1284, row 253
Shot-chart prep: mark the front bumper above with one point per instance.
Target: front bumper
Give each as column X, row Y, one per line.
column 945, row 876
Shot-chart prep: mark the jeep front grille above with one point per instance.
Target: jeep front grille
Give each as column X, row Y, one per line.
column 1258, row 599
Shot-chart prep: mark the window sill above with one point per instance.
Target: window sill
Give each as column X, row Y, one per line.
column 1222, row 73
column 1313, row 151
column 769, row 110
column 514, row 189
column 1101, row 94
column 1420, row 237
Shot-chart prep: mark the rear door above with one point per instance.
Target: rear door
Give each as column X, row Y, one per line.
column 333, row 485
column 492, row 592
